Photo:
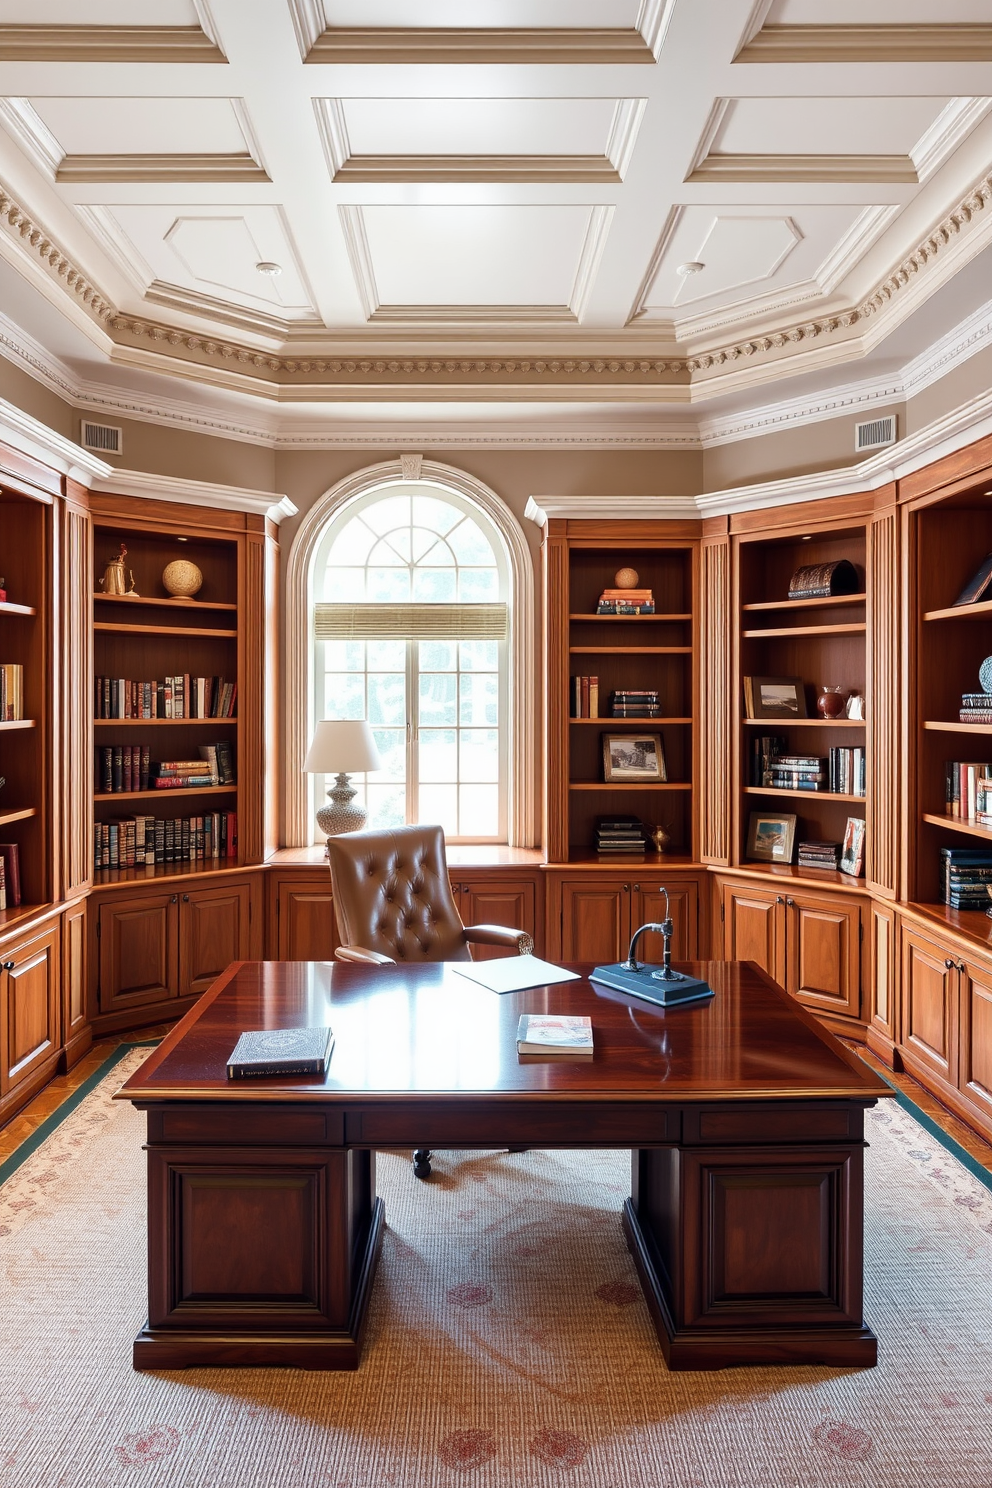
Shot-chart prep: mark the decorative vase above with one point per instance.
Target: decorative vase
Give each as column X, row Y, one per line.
column 662, row 838
column 830, row 702
column 181, row 578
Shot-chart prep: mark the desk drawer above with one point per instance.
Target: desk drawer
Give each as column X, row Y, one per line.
column 785, row 1122
column 458, row 1124
column 257, row 1125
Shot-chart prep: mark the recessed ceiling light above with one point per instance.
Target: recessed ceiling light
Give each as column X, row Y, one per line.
column 684, row 270
column 272, row 269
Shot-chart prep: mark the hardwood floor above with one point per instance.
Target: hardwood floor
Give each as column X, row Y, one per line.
column 976, row 1146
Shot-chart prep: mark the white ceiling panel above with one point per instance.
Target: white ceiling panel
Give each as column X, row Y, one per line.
column 592, row 13
column 213, row 253
column 876, row 12
column 99, row 13
column 825, row 126
column 138, row 126
column 475, row 255
column 478, row 126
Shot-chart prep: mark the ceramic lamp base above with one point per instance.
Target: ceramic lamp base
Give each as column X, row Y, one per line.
column 342, row 813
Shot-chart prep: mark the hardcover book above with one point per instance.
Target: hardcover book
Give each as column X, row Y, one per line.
column 281, row 1051
column 542, row 1033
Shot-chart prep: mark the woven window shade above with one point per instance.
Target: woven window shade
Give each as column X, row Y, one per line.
column 404, row 622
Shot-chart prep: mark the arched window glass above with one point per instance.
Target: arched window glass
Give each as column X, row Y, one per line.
column 411, row 620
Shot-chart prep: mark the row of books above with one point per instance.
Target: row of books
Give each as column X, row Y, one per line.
column 584, row 697
column 635, row 702
column 11, row 692
column 144, row 841
column 976, row 707
column 968, row 789
column 965, row 874
column 129, row 767
column 181, row 696
column 846, row 771
column 819, row 855
column 620, row 834
column 10, row 875
column 842, row 771
column 626, row 602
column 795, row 772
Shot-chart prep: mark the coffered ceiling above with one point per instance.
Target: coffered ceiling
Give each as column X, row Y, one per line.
column 609, row 202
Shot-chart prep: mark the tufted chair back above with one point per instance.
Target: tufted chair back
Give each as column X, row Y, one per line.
column 392, row 894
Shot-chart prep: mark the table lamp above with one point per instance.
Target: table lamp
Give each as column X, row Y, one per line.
column 341, row 747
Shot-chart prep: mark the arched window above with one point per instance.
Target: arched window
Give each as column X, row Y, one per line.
column 415, row 620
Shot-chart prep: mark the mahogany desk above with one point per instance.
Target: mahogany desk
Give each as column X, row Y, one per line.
column 745, row 1120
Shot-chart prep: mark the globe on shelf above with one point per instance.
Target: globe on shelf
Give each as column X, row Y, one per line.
column 626, row 578
column 181, row 578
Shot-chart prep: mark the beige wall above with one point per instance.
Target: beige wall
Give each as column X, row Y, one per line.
column 801, row 450
column 32, row 397
column 192, row 456
column 959, row 387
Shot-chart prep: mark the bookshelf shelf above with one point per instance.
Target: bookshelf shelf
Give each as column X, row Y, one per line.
column 772, row 790
column 8, row 608
column 640, row 723
column 630, row 650
column 857, row 628
column 958, row 824
column 113, row 723
column 18, row 723
column 626, row 785
column 24, row 814
column 632, row 619
column 771, row 724
column 158, row 795
column 980, row 611
column 937, row 727
column 187, row 606
column 113, row 627
column 804, row 604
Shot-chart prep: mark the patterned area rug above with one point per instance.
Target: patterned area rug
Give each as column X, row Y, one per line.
column 509, row 1344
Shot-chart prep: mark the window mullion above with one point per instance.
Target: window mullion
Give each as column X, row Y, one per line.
column 413, row 731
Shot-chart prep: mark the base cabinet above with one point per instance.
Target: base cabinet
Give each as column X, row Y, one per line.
column 810, row 943
column 30, row 998
column 597, row 915
column 488, row 897
column 301, row 918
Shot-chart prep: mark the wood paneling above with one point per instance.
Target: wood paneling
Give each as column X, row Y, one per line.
column 753, row 928
column 214, row 930
column 595, row 920
column 491, row 897
column 975, row 1077
column 930, row 1006
column 715, row 721
column 823, row 938
column 75, row 755
column 31, row 1022
column 302, row 923
column 883, row 696
column 556, row 673
column 138, row 950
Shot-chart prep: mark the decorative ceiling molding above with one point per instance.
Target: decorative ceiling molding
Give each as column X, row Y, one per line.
column 542, row 509
column 197, row 493
column 952, row 125
column 453, row 168
column 262, row 323
column 908, row 42
column 845, row 169
column 468, row 46
column 27, row 127
column 162, row 44
column 16, row 223
column 160, row 168
column 590, row 258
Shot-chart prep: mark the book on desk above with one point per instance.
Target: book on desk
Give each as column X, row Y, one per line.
column 280, row 1051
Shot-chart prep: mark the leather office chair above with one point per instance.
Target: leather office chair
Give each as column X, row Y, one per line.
column 393, row 903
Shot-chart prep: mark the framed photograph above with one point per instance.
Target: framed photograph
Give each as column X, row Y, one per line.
column 634, row 757
column 775, row 697
column 852, row 855
column 770, row 837
column 977, row 586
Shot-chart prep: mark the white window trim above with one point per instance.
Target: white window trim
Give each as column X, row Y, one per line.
column 523, row 823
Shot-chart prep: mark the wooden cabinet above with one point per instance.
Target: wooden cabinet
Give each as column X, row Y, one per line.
column 76, row 1032
column 301, row 918
column 489, row 896
column 164, row 945
column 30, row 1013
column 810, row 943
column 598, row 914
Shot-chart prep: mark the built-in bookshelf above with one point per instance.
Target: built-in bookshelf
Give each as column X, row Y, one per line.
column 149, row 650
column 949, row 534
column 821, row 642
column 25, row 741
column 652, row 652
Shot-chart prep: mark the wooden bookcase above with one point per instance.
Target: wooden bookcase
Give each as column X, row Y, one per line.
column 645, row 651
column 822, row 641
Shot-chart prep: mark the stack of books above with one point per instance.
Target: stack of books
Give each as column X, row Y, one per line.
column 965, row 874
column 764, row 753
column 11, row 692
column 976, row 707
column 968, row 789
column 626, row 602
column 635, row 702
column 620, row 834
column 847, row 770
column 819, row 855
column 584, row 697
column 803, row 772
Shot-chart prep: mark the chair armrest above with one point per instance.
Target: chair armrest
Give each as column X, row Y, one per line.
column 362, row 956
column 499, row 935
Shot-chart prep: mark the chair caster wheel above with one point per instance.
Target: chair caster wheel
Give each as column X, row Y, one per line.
column 422, row 1163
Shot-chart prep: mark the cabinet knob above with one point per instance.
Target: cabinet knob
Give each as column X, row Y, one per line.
column 779, row 899
column 962, row 968
column 8, row 966
column 175, row 899
column 637, row 888
column 625, row 888
column 791, row 903
column 185, row 898
column 948, row 964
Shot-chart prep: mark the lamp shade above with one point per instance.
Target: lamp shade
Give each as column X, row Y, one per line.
column 342, row 746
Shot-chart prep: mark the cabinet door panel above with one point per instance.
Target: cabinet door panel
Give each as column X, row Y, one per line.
column 138, row 951
column 213, row 932
column 595, row 921
column 930, row 1006
column 496, row 901
column 74, row 1014
column 753, row 928
column 976, row 1036
column 31, row 1007
column 305, row 927
column 824, row 953
column 648, row 904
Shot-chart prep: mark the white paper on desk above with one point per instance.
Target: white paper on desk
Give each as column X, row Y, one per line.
column 513, row 973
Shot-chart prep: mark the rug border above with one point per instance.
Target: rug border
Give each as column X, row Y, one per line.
column 952, row 1145
column 54, row 1120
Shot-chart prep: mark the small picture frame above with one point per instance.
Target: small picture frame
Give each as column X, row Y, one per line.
column 852, row 855
column 631, row 757
column 775, row 697
column 770, row 837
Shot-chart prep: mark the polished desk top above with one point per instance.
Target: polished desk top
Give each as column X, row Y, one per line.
column 411, row 1032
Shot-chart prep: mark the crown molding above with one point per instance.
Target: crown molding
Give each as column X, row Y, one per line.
column 542, row 509
column 140, row 483
column 908, row 42
column 562, row 169
column 952, row 125
column 843, row 169
column 160, row 168
column 468, row 46
column 32, row 437
column 174, row 45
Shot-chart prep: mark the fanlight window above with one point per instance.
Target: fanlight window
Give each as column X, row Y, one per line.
column 410, row 624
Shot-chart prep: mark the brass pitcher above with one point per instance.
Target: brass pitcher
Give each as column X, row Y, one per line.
column 114, row 579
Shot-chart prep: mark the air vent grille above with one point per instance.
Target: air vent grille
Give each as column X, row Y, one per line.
column 875, row 433
column 104, row 439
